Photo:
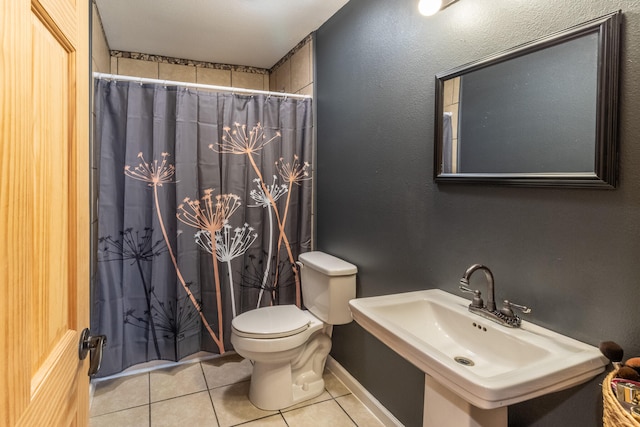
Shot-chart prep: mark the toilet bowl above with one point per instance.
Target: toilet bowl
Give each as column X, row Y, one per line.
column 289, row 346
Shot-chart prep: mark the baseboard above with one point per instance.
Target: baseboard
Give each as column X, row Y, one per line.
column 362, row 394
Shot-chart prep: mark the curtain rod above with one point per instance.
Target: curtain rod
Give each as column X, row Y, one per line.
column 196, row 85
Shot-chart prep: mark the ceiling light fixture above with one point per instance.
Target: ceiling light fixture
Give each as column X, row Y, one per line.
column 431, row 7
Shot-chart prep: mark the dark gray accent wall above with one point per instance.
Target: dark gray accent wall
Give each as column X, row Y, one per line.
column 571, row 254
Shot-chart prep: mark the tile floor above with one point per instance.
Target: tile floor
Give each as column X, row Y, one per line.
column 214, row 393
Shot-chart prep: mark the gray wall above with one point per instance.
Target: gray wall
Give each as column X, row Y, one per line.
column 571, row 254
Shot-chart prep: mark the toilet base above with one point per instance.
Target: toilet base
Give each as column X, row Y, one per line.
column 276, row 386
column 272, row 387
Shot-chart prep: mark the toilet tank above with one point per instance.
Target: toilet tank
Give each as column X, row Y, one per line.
column 328, row 283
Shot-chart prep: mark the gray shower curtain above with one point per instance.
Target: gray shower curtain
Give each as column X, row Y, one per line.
column 204, row 204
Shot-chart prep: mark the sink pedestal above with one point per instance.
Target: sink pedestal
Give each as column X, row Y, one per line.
column 442, row 407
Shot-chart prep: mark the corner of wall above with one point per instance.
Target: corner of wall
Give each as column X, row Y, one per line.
column 100, row 54
column 293, row 73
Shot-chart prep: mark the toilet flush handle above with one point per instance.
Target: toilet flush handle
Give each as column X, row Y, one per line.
column 301, row 265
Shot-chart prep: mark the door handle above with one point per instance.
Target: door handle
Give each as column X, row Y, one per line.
column 92, row 345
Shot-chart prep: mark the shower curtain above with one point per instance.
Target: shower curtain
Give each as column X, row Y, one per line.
column 204, row 204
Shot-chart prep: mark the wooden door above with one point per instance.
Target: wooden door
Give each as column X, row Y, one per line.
column 44, row 211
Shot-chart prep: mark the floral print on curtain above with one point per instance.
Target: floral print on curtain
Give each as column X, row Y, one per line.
column 204, row 205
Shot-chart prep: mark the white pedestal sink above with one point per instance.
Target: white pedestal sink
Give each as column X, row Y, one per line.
column 474, row 368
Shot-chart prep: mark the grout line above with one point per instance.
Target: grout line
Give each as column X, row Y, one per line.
column 284, row 419
column 303, row 405
column 215, row 413
column 119, row 410
column 203, row 374
column 178, row 397
column 261, row 418
column 228, row 385
column 346, row 412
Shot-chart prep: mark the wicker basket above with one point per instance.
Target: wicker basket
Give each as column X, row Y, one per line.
column 613, row 414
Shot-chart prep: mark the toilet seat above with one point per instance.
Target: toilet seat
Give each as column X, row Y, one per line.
column 277, row 321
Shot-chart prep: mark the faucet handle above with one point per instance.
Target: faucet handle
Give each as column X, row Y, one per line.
column 477, row 301
column 507, row 311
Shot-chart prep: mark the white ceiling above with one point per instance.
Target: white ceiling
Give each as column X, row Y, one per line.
column 257, row 33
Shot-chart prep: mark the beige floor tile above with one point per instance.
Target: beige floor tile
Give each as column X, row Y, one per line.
column 226, row 370
column 179, row 397
column 133, row 417
column 272, row 421
column 325, row 414
column 176, row 381
column 334, row 386
column 233, row 407
column 192, row 410
column 120, row 393
column 357, row 411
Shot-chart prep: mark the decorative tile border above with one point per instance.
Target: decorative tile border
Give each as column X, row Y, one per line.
column 188, row 62
column 295, row 49
column 216, row 66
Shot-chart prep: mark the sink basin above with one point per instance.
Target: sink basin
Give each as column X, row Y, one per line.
column 486, row 364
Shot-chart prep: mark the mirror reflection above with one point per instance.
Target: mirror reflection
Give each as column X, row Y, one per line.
column 539, row 114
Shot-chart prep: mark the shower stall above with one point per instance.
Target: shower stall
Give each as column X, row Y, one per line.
column 204, row 202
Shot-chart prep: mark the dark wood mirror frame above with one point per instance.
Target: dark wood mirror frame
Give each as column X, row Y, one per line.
column 604, row 175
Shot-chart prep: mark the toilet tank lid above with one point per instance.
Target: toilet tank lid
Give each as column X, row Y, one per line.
column 327, row 264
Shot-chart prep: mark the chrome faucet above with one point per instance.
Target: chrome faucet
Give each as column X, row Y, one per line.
column 505, row 316
column 464, row 284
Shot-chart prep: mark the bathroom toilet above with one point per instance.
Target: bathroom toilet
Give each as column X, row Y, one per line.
column 289, row 346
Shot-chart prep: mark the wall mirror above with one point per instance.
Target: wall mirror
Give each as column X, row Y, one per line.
column 541, row 114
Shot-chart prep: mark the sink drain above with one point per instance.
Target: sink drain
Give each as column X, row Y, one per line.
column 464, row 361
